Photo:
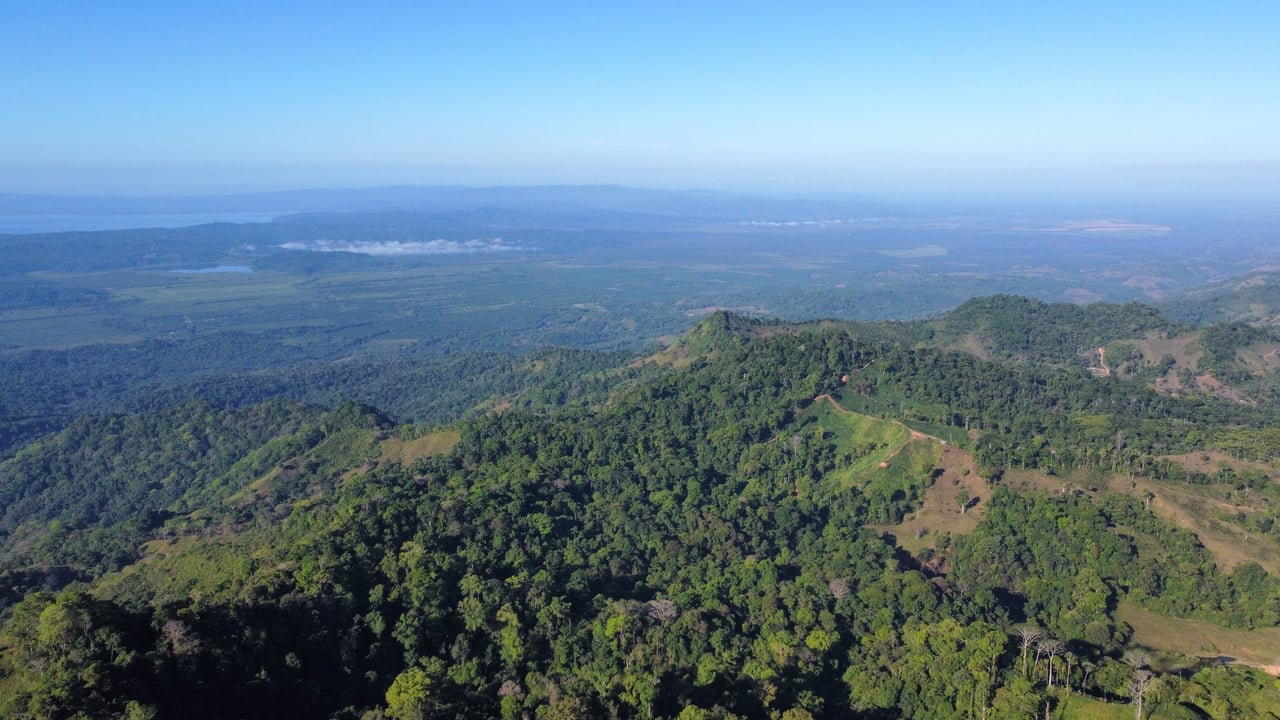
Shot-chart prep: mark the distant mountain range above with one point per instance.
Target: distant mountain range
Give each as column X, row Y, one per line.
column 703, row 204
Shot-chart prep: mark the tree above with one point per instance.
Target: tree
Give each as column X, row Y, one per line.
column 1017, row 700
column 1051, row 648
column 1028, row 636
column 1142, row 679
column 409, row 697
column 72, row 656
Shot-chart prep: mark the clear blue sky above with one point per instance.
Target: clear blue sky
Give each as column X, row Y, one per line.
column 177, row 97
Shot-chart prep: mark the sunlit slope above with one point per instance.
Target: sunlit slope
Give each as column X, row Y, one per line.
column 1253, row 299
column 785, row 516
column 1230, row 360
column 88, row 498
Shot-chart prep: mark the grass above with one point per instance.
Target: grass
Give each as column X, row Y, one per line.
column 850, row 431
column 1260, row 358
column 890, row 404
column 1184, row 349
column 939, row 515
column 1197, row 509
column 405, row 452
column 895, row 463
column 1196, row 638
column 1210, row 461
column 1079, row 707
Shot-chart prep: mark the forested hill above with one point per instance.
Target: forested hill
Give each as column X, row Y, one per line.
column 1254, row 299
column 1231, row 360
column 50, row 388
column 765, row 520
column 1013, row 327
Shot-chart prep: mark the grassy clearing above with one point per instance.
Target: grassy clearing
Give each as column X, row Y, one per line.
column 917, row 458
column 1079, row 707
column 1195, row 638
column 404, row 452
column 972, row 344
column 869, row 440
column 939, row 515
column 1088, row 483
column 1197, row 509
column 1261, row 358
column 895, row 407
column 162, row 548
column 216, row 568
column 1184, row 349
column 347, row 449
column 1210, row 462
column 891, row 460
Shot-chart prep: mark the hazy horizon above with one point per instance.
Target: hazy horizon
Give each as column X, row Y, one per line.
column 940, row 99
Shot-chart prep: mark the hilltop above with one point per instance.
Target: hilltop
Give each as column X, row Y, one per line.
column 763, row 517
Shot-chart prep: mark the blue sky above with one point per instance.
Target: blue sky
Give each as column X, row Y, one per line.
column 886, row 97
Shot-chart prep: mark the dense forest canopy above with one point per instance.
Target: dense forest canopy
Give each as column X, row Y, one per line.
column 720, row 529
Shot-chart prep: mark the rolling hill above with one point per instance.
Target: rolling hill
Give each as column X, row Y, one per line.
column 763, row 518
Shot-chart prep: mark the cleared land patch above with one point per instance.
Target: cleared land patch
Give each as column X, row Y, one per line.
column 940, row 514
column 1211, row 461
column 1193, row 508
column 869, row 441
column 1259, row 647
column 889, row 455
column 404, row 452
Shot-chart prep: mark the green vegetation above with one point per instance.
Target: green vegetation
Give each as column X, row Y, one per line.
column 1254, row 299
column 102, row 323
column 1011, row 327
column 684, row 535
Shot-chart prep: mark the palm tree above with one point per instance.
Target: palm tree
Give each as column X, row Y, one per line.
column 1070, row 659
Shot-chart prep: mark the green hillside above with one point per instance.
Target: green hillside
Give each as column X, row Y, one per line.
column 709, row 533
column 1254, row 299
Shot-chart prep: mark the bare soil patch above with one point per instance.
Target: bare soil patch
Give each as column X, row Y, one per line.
column 1212, row 386
column 940, row 513
column 971, row 344
column 1209, row 461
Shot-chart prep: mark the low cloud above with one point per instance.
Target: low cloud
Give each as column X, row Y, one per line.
column 395, row 248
